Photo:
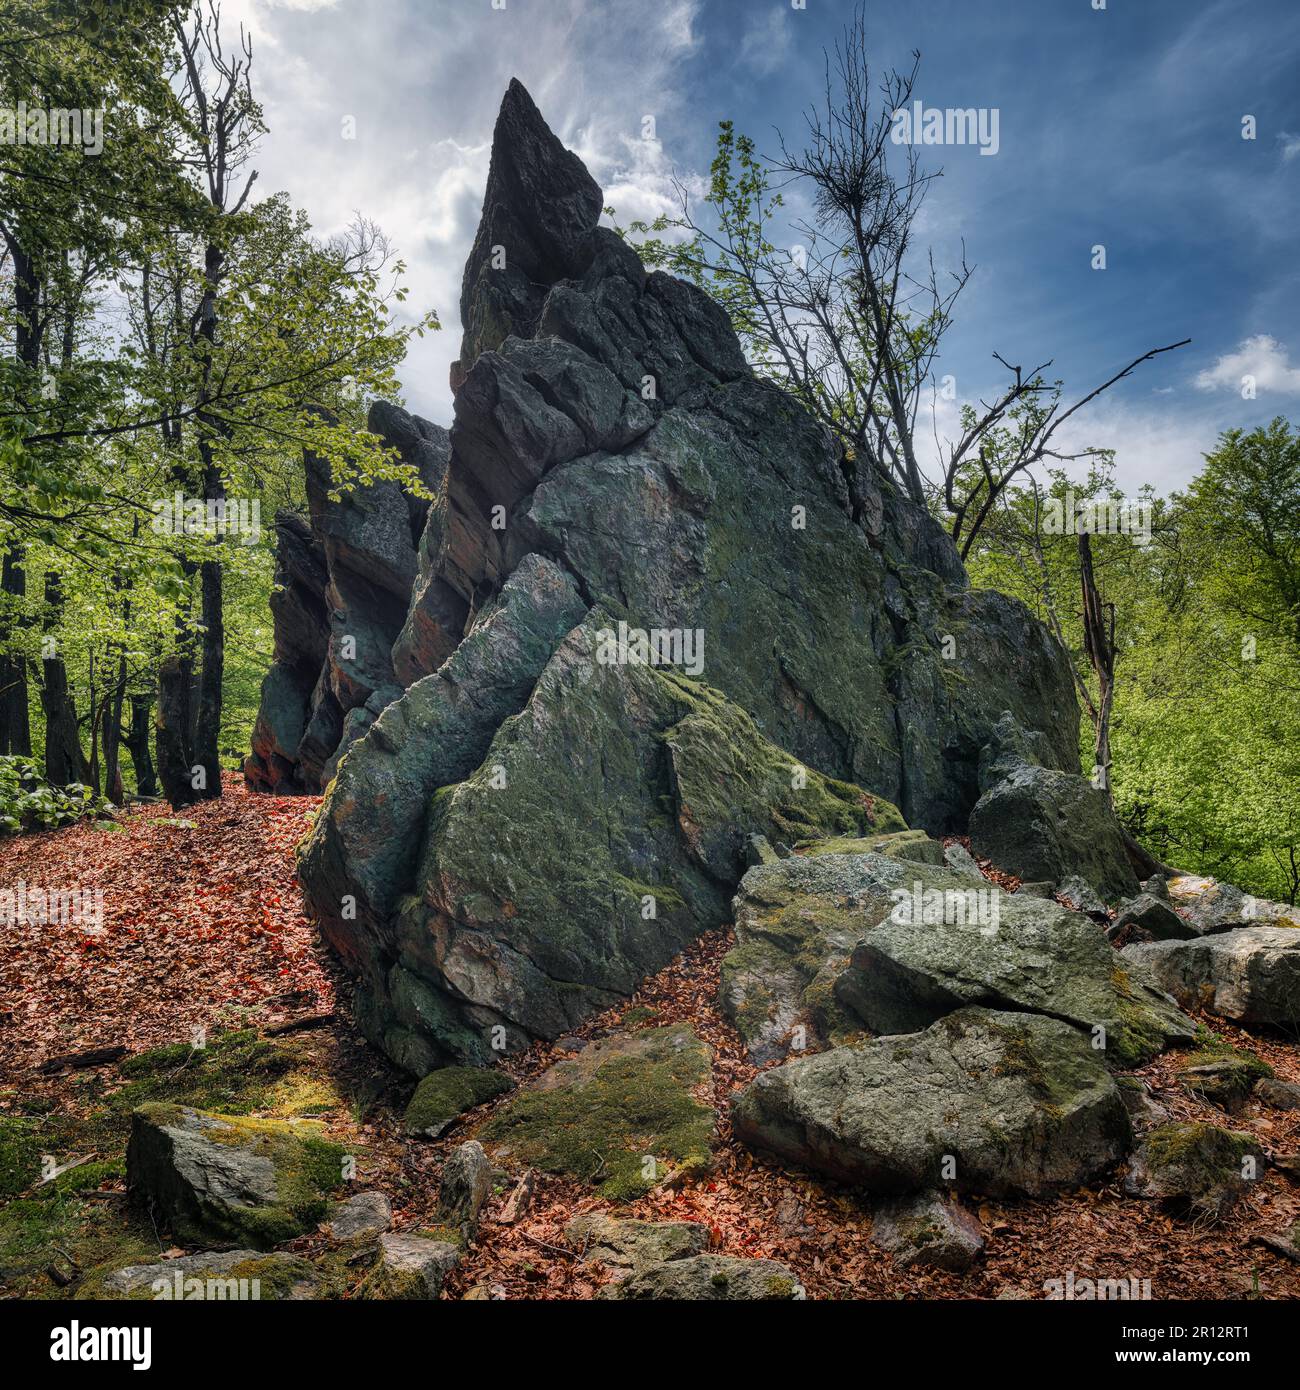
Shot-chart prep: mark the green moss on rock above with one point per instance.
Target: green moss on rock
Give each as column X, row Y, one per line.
column 620, row 1115
column 231, row 1180
column 448, row 1093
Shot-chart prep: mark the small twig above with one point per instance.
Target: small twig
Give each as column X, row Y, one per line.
column 546, row 1245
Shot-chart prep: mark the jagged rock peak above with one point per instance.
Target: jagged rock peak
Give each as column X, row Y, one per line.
column 540, row 210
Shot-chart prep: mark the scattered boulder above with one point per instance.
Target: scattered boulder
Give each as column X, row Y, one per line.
column 1248, row 974
column 361, row 1217
column 627, row 1245
column 1285, row 1243
column 842, row 942
column 1139, row 1100
column 621, row 1114
column 210, row 1276
column 445, row 1095
column 466, row 1187
column 715, row 1278
column 411, row 1268
column 1196, row 1170
column 1206, row 905
column 229, row 1180
column 796, row 921
column 961, row 861
column 1000, row 951
column 1277, row 1094
column 1044, row 824
column 1082, row 897
column 1147, row 918
column 1222, row 1074
column 1015, row 1102
column 928, row 1230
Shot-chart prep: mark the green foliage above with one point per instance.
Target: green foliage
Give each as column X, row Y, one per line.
column 29, row 802
column 1206, row 723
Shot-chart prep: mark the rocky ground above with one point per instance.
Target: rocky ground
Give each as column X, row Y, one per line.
column 203, row 929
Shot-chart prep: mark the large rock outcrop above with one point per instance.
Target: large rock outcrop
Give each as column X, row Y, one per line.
column 627, row 513
column 349, row 634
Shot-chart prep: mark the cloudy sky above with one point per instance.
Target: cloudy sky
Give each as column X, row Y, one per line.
column 1118, row 126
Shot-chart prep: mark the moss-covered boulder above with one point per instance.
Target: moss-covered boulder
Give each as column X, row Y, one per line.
column 224, row 1276
column 980, row 1101
column 1196, row 1170
column 445, row 1095
column 411, row 1268
column 621, row 1243
column 1043, row 823
column 928, row 1230
column 710, row 1279
column 464, row 1188
column 599, row 836
column 1248, row 974
column 842, row 942
column 362, row 1217
column 1222, row 1074
column 621, row 1115
column 913, row 845
column 228, row 1180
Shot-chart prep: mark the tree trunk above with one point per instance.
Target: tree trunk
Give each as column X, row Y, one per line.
column 15, row 721
column 64, row 762
column 137, row 740
column 175, row 757
column 1099, row 646
column 207, row 754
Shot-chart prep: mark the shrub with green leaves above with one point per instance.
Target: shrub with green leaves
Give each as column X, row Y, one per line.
column 29, row 802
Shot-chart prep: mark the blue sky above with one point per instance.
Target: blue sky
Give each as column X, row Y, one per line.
column 1120, row 126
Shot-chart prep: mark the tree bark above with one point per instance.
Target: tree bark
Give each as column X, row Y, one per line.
column 207, row 754
column 1099, row 647
column 15, row 720
column 137, row 741
column 64, row 761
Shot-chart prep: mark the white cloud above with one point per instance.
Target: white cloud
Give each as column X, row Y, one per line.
column 423, row 84
column 1290, row 145
column 1261, row 358
column 766, row 41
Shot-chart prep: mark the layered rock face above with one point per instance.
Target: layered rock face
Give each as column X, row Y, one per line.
column 349, row 631
column 668, row 614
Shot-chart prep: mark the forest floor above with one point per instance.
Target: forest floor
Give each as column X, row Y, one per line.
column 204, row 941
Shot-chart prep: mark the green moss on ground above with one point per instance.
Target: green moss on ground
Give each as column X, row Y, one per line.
column 236, row 1072
column 624, row 1127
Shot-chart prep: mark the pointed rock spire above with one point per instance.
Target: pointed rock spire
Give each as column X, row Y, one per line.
column 540, row 212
